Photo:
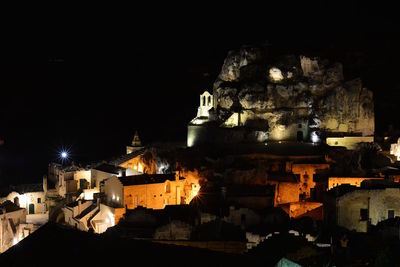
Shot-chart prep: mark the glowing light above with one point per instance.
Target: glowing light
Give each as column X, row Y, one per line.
column 140, row 167
column 23, row 201
column 163, row 167
column 117, row 198
column 314, row 137
column 15, row 241
column 195, row 193
column 113, row 197
column 110, row 219
column 275, row 74
column 64, row 154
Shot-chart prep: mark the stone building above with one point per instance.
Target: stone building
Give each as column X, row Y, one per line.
column 361, row 207
column 78, row 214
column 31, row 197
column 13, row 227
column 69, row 180
column 258, row 98
column 150, row 191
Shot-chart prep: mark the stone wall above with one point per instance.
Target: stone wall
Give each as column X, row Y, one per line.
column 377, row 201
column 350, row 142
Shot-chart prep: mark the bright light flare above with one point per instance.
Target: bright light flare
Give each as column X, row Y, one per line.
column 314, row 138
column 64, row 154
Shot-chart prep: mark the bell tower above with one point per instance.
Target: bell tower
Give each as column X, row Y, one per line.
column 136, row 144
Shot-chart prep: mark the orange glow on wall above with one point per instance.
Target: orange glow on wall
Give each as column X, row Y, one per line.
column 355, row 181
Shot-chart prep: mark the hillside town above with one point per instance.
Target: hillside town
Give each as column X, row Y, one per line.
column 281, row 167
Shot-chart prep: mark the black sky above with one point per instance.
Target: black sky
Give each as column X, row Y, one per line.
column 88, row 80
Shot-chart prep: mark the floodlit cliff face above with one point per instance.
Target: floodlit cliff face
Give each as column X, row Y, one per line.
column 289, row 97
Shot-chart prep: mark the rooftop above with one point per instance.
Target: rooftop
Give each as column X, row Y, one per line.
column 9, row 206
column 147, row 179
column 125, row 158
column 108, row 168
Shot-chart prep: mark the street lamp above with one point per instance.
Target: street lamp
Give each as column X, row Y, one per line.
column 64, row 155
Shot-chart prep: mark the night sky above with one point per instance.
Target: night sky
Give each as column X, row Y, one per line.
column 87, row 82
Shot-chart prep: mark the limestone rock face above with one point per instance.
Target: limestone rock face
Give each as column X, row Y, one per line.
column 237, row 60
column 290, row 93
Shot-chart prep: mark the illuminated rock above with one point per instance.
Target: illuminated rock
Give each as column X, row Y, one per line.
column 263, row 93
column 275, row 74
column 226, row 96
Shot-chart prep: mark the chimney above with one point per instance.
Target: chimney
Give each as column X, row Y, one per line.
column 45, row 183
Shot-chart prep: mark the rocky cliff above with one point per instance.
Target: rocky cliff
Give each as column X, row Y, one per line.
column 280, row 96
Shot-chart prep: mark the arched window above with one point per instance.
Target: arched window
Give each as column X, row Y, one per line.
column 204, row 100
column 168, row 187
column 209, row 101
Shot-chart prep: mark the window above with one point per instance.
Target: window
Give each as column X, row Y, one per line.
column 208, row 100
column 363, row 214
column 204, row 100
column 390, row 214
column 299, row 125
column 39, row 200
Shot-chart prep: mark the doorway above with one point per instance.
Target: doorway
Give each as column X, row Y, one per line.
column 31, row 208
column 299, row 136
